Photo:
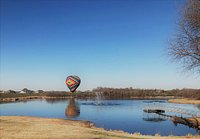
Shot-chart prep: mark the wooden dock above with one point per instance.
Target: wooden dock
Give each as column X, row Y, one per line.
column 162, row 109
column 190, row 122
column 154, row 111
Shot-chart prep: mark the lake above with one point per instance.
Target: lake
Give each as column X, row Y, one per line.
column 126, row 115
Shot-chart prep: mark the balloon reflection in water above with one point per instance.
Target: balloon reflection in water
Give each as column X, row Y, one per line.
column 72, row 109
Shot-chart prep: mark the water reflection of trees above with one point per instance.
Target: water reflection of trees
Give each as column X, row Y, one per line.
column 198, row 106
column 153, row 117
column 72, row 110
column 55, row 100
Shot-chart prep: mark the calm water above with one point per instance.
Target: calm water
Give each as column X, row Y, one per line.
column 126, row 115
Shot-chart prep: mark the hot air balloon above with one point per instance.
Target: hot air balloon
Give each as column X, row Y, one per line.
column 73, row 82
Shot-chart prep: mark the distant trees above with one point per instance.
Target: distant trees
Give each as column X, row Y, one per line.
column 130, row 93
column 185, row 45
column 111, row 93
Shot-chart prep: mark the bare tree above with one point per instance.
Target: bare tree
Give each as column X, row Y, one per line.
column 185, row 45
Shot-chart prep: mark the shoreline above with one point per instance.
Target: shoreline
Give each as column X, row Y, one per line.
column 169, row 99
column 38, row 127
column 27, row 98
column 184, row 101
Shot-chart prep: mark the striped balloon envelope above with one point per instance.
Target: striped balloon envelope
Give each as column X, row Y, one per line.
column 73, row 82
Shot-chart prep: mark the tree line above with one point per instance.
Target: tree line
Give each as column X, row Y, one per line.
column 140, row 93
column 114, row 93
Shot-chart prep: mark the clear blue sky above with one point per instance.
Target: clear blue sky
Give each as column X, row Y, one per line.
column 110, row 43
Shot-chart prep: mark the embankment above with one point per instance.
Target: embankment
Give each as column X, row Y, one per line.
column 24, row 127
column 184, row 101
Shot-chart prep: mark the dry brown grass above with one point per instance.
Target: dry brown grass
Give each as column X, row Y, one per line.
column 23, row 127
column 184, row 101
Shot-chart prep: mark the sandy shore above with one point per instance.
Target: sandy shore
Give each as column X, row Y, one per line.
column 184, row 101
column 25, row 127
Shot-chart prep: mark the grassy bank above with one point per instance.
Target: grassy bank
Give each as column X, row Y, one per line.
column 184, row 101
column 24, row 127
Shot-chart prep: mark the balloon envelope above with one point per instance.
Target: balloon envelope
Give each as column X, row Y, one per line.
column 73, row 82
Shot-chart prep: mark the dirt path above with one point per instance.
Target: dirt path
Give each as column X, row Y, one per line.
column 23, row 127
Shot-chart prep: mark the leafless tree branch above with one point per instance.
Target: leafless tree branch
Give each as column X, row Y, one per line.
column 185, row 45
